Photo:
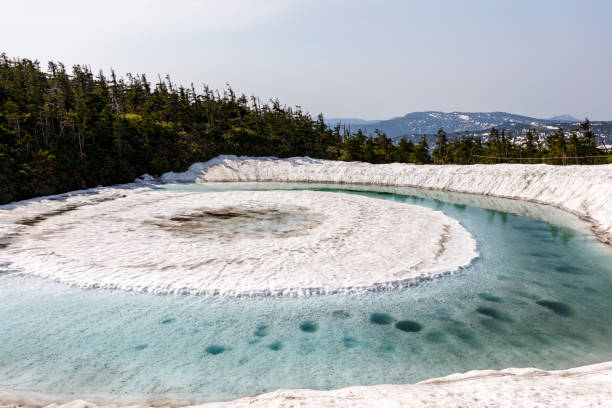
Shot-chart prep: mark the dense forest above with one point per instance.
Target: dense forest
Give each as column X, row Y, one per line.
column 64, row 130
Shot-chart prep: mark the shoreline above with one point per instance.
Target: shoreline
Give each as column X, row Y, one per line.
column 580, row 386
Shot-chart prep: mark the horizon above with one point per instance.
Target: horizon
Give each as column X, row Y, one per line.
column 458, row 111
column 362, row 59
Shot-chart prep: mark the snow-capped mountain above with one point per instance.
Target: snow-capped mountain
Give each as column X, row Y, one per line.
column 415, row 125
column 419, row 123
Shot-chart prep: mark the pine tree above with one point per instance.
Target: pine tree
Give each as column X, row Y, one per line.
column 421, row 152
column 440, row 151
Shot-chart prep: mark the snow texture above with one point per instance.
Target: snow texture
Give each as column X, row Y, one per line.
column 234, row 242
column 587, row 386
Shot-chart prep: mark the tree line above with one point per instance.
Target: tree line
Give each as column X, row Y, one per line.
column 62, row 130
column 578, row 146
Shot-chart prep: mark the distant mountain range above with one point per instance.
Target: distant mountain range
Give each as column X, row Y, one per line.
column 564, row 118
column 418, row 123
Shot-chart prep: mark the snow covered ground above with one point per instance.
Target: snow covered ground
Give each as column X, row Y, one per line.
column 234, row 242
column 578, row 387
column 583, row 190
column 587, row 386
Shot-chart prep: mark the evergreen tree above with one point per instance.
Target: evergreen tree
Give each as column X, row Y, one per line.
column 421, row 152
column 404, row 153
column 440, row 151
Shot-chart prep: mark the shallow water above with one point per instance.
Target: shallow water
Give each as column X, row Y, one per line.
column 537, row 296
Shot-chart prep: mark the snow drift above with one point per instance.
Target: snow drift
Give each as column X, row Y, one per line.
column 587, row 386
column 234, row 242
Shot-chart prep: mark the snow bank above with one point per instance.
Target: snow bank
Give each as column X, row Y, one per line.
column 234, row 242
column 577, row 387
column 586, row 386
column 583, row 190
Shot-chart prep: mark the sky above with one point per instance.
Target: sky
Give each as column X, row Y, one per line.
column 344, row 58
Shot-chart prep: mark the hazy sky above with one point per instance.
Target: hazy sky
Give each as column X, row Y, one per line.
column 366, row 59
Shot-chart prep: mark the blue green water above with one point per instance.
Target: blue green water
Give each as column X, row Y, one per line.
column 538, row 295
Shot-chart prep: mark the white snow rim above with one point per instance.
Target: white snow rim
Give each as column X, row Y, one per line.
column 236, row 243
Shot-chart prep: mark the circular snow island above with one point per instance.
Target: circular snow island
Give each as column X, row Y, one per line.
column 242, row 243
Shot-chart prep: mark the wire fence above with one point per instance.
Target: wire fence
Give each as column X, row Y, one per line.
column 562, row 159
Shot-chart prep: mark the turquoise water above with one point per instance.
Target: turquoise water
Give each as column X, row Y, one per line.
column 539, row 295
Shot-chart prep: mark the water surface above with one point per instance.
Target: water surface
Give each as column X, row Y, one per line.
column 537, row 296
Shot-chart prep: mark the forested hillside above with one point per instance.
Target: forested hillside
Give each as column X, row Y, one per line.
column 62, row 130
